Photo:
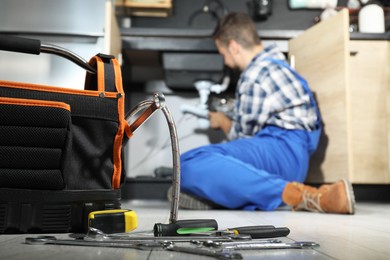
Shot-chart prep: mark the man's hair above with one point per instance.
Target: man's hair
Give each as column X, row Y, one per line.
column 239, row 27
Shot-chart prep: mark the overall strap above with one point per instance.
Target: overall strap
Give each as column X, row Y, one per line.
column 303, row 83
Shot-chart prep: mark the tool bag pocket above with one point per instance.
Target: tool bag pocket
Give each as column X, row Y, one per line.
column 73, row 137
column 34, row 140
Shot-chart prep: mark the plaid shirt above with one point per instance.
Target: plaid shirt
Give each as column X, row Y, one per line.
column 269, row 94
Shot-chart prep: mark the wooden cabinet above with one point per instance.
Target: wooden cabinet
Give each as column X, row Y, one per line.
column 351, row 82
column 150, row 8
column 112, row 35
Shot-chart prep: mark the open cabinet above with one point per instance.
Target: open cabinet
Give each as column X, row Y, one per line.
column 351, row 82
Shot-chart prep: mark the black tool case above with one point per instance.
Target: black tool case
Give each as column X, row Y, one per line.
column 60, row 149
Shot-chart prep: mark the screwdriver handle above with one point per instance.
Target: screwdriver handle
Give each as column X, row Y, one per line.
column 262, row 231
column 184, row 227
column 244, row 229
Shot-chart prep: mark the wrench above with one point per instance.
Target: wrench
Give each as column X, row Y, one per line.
column 143, row 245
column 52, row 240
column 217, row 244
column 134, row 242
column 220, row 254
column 253, row 245
column 95, row 234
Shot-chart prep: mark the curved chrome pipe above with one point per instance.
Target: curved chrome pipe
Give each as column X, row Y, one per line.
column 53, row 49
column 150, row 106
column 176, row 165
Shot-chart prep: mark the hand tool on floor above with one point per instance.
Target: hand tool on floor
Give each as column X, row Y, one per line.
column 217, row 244
column 223, row 249
column 185, row 227
column 143, row 245
column 205, row 252
column 113, row 221
column 158, row 102
column 97, row 235
column 262, row 231
column 256, row 245
column 52, row 240
column 138, row 243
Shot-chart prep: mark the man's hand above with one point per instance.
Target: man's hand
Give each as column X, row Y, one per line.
column 219, row 120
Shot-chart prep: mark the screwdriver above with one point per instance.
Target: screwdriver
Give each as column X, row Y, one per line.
column 184, row 227
column 265, row 231
column 113, row 221
column 262, row 231
column 208, row 227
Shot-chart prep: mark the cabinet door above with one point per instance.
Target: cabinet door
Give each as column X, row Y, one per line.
column 321, row 56
column 370, row 89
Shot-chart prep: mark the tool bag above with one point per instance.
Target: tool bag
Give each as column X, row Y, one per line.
column 61, row 150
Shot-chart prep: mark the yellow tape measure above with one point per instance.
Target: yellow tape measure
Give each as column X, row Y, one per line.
column 113, row 221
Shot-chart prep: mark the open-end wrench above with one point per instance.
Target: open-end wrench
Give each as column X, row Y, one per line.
column 95, row 234
column 255, row 245
column 220, row 254
column 131, row 242
column 143, row 245
column 52, row 240
column 218, row 244
column 177, row 239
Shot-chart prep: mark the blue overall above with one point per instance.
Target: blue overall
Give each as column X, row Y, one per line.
column 251, row 173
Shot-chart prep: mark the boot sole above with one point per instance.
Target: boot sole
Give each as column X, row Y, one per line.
column 350, row 196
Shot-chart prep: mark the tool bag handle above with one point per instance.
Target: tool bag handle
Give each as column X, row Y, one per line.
column 17, row 44
column 108, row 77
column 34, row 46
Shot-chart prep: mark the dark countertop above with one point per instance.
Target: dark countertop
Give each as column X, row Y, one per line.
column 193, row 40
column 370, row 36
column 170, row 39
column 199, row 33
column 265, row 34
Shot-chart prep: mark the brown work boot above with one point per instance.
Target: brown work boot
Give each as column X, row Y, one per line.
column 333, row 198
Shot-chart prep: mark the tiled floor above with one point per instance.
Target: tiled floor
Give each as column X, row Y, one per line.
column 365, row 235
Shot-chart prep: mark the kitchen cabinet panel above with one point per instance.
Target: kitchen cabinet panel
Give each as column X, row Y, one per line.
column 322, row 60
column 369, row 85
column 350, row 80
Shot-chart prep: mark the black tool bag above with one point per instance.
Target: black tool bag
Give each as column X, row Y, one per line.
column 60, row 149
